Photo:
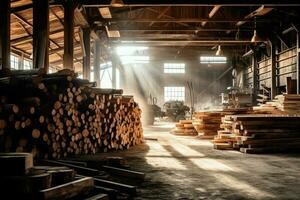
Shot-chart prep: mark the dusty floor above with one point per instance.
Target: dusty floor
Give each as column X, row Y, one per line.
column 180, row 167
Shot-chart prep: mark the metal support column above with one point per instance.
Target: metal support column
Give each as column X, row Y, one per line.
column 5, row 34
column 69, row 34
column 114, row 62
column 273, row 69
column 298, row 61
column 41, row 34
column 87, row 53
column 255, row 77
column 97, row 62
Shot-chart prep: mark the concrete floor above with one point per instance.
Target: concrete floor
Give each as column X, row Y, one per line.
column 182, row 167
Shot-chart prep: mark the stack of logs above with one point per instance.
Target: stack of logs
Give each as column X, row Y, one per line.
column 184, row 127
column 55, row 115
column 259, row 133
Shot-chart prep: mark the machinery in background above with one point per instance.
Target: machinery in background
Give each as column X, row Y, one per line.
column 175, row 110
column 235, row 97
column 153, row 110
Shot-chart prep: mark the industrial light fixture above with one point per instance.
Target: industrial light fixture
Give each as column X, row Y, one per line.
column 117, row 3
column 219, row 51
column 255, row 38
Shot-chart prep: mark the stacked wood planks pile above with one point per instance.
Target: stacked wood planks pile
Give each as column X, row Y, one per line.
column 207, row 123
column 184, row 127
column 55, row 115
column 65, row 179
column 282, row 104
column 289, row 103
column 259, row 133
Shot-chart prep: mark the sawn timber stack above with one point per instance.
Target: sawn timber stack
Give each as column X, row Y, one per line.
column 260, row 133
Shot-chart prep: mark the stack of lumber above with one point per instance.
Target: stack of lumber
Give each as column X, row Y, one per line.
column 184, row 127
column 56, row 115
column 207, row 123
column 64, row 179
column 282, row 104
column 289, row 103
column 259, row 133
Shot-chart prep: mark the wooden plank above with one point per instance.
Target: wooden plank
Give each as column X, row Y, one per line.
column 128, row 189
column 98, row 197
column 124, row 172
column 112, row 193
column 14, row 164
column 78, row 163
column 68, row 190
column 78, row 169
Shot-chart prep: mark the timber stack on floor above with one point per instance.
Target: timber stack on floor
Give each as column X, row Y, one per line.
column 289, row 103
column 208, row 123
column 282, row 104
column 66, row 179
column 55, row 115
column 259, row 133
column 184, row 127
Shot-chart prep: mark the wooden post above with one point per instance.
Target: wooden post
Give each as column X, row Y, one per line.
column 273, row 69
column 68, row 34
column 255, row 77
column 5, row 34
column 97, row 62
column 298, row 61
column 114, row 71
column 41, row 34
column 87, row 56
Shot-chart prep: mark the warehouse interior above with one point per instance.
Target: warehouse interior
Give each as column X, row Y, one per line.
column 125, row 99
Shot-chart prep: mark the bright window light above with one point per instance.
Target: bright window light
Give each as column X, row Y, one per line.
column 105, row 65
column 174, row 68
column 131, row 50
column 174, row 93
column 27, row 64
column 135, row 59
column 213, row 60
column 14, row 62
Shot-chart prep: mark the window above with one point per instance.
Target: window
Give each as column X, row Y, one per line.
column 52, row 70
column 175, row 68
column 213, row 60
column 14, row 62
column 174, row 93
column 27, row 64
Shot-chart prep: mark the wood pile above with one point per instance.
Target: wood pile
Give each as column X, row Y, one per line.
column 208, row 123
column 184, row 127
column 282, row 104
column 289, row 103
column 65, row 179
column 56, row 115
column 259, row 133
